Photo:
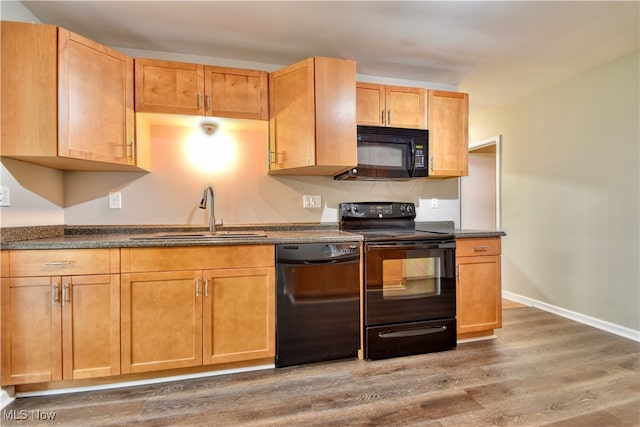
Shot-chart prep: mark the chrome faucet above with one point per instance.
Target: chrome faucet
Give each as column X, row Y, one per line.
column 203, row 205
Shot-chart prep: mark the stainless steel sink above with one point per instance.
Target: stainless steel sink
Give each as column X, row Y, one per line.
column 176, row 235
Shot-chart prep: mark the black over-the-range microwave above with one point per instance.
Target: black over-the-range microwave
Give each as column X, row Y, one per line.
column 388, row 153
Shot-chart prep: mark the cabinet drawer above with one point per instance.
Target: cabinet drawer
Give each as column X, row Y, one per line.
column 63, row 262
column 478, row 246
column 196, row 258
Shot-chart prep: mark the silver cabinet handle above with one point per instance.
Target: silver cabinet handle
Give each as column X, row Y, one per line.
column 197, row 287
column 58, row 263
column 206, row 287
column 481, row 248
column 388, row 117
column 199, row 101
column 133, row 151
column 432, row 163
column 207, row 102
column 382, row 117
column 65, row 294
column 55, row 296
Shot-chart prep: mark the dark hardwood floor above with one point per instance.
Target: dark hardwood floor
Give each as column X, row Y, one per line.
column 543, row 370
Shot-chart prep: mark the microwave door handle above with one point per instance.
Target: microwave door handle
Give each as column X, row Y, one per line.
column 413, row 159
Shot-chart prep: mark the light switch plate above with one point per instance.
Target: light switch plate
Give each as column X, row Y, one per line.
column 311, row 201
column 5, row 199
column 115, row 200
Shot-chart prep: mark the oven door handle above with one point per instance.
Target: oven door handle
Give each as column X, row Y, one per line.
column 412, row 332
column 419, row 245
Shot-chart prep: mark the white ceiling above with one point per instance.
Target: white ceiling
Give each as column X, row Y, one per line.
column 495, row 50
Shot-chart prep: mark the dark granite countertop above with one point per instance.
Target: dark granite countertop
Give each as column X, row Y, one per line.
column 464, row 233
column 92, row 237
column 459, row 233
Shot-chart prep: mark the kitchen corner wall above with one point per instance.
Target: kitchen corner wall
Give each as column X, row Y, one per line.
column 571, row 192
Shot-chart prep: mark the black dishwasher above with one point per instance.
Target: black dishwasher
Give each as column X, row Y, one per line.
column 318, row 302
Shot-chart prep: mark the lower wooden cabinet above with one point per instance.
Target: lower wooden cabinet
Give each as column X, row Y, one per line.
column 161, row 321
column 478, row 290
column 59, row 321
column 239, row 315
column 191, row 306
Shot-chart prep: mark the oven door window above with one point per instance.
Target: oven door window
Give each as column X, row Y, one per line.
column 410, row 278
column 408, row 283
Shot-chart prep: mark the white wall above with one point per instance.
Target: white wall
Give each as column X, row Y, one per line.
column 571, row 192
column 244, row 192
column 478, row 192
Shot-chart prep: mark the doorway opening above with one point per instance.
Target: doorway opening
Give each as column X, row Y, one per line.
column 480, row 194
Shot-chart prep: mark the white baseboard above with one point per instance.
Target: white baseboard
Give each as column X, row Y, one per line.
column 138, row 382
column 578, row 317
column 7, row 395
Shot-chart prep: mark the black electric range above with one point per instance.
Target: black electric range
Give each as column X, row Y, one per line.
column 381, row 221
column 409, row 304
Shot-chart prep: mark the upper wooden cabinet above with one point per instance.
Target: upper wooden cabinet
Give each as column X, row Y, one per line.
column 185, row 88
column 67, row 102
column 312, row 117
column 448, row 117
column 395, row 106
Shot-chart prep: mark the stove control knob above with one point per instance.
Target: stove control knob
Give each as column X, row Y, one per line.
column 402, row 208
column 409, row 209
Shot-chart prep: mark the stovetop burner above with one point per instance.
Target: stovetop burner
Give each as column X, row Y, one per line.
column 380, row 221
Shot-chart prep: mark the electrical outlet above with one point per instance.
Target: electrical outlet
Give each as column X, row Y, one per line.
column 434, row 203
column 115, row 200
column 311, row 201
column 5, row 199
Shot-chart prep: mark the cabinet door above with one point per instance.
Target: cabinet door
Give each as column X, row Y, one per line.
column 31, row 330
column 161, row 320
column 236, row 93
column 370, row 108
column 405, row 107
column 479, row 294
column 29, row 99
column 95, row 101
column 169, row 87
column 91, row 326
column 448, row 115
column 292, row 117
column 239, row 315
column 312, row 117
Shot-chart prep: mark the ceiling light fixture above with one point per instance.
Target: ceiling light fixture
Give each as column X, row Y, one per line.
column 209, row 128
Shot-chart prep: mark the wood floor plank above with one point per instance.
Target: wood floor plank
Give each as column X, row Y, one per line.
column 542, row 370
